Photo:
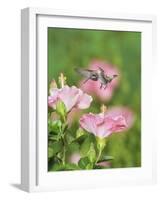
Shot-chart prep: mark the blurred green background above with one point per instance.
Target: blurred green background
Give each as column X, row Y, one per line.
column 68, row 48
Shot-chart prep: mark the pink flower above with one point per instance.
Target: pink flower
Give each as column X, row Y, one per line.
column 74, row 158
column 53, row 98
column 72, row 97
column 125, row 112
column 104, row 164
column 101, row 125
column 73, row 115
column 93, row 87
column 104, row 124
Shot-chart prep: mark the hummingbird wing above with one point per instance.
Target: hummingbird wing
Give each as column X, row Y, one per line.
column 87, row 73
column 102, row 70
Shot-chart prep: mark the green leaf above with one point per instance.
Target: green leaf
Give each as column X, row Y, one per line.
column 54, row 137
column 71, row 166
column 80, row 139
column 80, row 132
column 91, row 153
column 85, row 147
column 54, row 126
column 66, row 167
column 64, row 127
column 57, row 147
column 84, row 163
column 50, row 152
column 101, row 143
column 99, row 167
column 89, row 166
column 69, row 138
column 73, row 147
column 105, row 158
column 57, row 167
column 61, row 110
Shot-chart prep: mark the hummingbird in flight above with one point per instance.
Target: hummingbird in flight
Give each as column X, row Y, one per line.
column 96, row 75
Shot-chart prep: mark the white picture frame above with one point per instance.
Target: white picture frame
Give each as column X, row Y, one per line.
column 34, row 174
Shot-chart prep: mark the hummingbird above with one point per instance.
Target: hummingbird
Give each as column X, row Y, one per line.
column 96, row 75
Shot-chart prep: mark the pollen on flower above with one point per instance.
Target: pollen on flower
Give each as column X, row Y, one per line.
column 62, row 80
column 103, row 108
column 53, row 84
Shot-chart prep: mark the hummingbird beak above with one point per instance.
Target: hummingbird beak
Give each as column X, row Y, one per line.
column 115, row 75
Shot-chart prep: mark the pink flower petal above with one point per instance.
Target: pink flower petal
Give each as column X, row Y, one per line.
column 73, row 115
column 104, row 164
column 52, row 100
column 69, row 96
column 106, row 128
column 74, row 158
column 88, row 122
column 84, row 101
column 128, row 115
column 104, row 124
column 72, row 97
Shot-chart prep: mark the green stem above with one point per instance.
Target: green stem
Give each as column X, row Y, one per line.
column 64, row 142
column 99, row 155
column 100, row 146
column 63, row 158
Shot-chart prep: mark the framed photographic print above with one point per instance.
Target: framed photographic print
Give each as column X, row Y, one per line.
column 86, row 108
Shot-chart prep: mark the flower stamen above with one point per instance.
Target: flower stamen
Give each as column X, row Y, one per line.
column 62, row 80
